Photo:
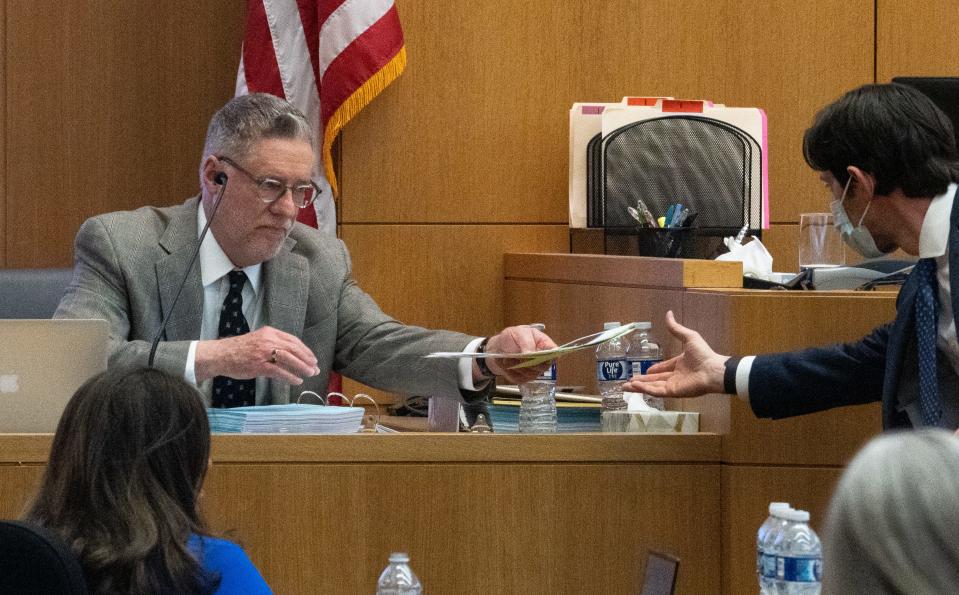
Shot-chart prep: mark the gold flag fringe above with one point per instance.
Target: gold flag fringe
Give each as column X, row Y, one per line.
column 352, row 106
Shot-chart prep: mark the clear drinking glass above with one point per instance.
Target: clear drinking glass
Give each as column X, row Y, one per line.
column 820, row 245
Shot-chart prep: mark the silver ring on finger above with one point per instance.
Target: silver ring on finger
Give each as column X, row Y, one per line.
column 273, row 356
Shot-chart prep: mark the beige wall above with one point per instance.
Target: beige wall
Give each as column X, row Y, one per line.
column 464, row 157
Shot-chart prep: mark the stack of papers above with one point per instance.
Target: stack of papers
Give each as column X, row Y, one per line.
column 570, row 417
column 287, row 419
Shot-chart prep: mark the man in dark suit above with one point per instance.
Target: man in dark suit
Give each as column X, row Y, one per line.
column 270, row 302
column 888, row 156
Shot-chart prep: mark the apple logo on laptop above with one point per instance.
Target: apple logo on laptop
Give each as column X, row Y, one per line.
column 9, row 383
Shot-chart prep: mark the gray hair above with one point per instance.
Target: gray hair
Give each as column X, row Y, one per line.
column 893, row 524
column 247, row 119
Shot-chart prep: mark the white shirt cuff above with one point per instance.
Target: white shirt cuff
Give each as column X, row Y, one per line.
column 742, row 376
column 466, row 365
column 189, row 374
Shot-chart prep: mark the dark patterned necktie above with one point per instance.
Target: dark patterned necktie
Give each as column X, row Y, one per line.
column 230, row 392
column 927, row 322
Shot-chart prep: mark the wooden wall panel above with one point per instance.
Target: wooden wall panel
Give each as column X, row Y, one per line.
column 17, row 485
column 106, row 107
column 496, row 528
column 441, row 276
column 477, row 128
column 916, row 38
column 782, row 242
column 445, row 276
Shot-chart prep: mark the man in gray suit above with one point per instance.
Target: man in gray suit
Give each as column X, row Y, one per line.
column 272, row 302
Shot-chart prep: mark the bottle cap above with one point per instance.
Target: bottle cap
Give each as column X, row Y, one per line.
column 611, row 325
column 777, row 506
column 799, row 516
column 643, row 326
column 399, row 557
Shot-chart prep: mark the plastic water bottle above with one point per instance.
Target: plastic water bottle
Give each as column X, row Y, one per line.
column 766, row 559
column 537, row 410
column 799, row 557
column 771, row 544
column 612, row 370
column 398, row 577
column 644, row 352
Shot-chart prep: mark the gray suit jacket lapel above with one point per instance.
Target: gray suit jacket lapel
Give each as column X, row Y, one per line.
column 179, row 241
column 286, row 283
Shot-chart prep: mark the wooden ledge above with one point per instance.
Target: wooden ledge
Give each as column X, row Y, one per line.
column 419, row 448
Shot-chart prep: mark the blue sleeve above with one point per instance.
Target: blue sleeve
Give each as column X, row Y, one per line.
column 236, row 570
column 788, row 384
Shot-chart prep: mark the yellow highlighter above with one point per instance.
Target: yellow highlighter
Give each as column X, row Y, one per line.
column 661, row 221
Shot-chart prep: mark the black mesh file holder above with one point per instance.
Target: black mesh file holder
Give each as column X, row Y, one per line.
column 710, row 166
column 594, row 182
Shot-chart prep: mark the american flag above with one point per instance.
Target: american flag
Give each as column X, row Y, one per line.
column 330, row 58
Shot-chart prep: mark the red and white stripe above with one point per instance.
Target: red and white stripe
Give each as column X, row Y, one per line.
column 330, row 58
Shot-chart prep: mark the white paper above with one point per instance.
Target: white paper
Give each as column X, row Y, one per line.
column 533, row 358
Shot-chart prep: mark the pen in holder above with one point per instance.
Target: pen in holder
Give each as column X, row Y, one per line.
column 667, row 242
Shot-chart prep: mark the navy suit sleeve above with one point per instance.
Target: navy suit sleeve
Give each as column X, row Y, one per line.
column 796, row 383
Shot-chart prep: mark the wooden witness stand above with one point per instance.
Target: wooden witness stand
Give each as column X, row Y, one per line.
column 544, row 514
column 477, row 513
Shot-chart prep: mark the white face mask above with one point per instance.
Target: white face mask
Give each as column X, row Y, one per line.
column 858, row 238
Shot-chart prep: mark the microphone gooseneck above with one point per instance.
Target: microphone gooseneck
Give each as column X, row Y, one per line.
column 220, row 179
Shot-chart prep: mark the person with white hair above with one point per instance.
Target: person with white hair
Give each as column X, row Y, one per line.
column 893, row 523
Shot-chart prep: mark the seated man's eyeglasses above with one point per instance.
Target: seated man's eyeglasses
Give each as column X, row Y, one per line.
column 269, row 189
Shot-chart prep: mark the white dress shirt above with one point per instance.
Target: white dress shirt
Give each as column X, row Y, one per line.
column 215, row 265
column 933, row 243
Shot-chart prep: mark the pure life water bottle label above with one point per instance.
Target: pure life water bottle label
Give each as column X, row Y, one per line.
column 611, row 370
column 800, row 570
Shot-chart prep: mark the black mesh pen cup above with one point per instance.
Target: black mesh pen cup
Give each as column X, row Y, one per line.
column 667, row 242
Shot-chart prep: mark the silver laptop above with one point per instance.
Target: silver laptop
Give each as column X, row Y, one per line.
column 42, row 363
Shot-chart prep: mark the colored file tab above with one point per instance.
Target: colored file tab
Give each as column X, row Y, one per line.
column 643, row 101
column 683, row 105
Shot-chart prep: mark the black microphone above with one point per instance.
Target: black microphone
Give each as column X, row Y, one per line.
column 220, row 179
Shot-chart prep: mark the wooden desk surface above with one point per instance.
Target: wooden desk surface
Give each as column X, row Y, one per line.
column 425, row 448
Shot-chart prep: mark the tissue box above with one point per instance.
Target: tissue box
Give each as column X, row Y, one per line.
column 681, row 422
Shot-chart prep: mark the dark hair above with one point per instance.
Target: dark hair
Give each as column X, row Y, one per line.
column 125, row 471
column 891, row 131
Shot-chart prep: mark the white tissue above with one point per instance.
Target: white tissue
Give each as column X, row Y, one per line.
column 636, row 402
column 757, row 262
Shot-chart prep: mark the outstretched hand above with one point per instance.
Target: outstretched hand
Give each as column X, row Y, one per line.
column 698, row 370
column 517, row 339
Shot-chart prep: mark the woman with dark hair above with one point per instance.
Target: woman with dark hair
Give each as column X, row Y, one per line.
column 122, row 487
